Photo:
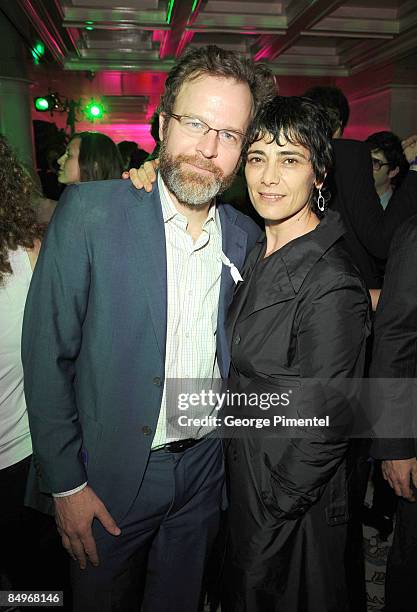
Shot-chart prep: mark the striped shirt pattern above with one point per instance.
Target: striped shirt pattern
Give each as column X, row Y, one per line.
column 193, row 288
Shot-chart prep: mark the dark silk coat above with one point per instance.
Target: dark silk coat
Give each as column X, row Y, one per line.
column 301, row 313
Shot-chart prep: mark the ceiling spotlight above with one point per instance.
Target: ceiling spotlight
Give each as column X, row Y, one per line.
column 51, row 102
column 41, row 103
column 94, row 110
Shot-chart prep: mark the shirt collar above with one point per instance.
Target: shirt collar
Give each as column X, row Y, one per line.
column 385, row 198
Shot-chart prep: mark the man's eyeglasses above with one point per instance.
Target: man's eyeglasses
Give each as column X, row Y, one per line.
column 230, row 139
column 377, row 164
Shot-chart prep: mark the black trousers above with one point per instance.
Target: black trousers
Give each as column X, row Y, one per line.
column 158, row 561
column 401, row 576
column 31, row 555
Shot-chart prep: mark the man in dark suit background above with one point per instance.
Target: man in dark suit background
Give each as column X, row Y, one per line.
column 369, row 231
column 353, row 194
column 130, row 290
column 395, row 356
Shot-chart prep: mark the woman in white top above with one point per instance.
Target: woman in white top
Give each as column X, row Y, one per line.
column 20, row 237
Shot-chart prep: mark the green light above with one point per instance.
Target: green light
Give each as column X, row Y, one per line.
column 94, row 110
column 40, row 48
column 41, row 104
column 89, row 22
column 194, row 5
column 89, row 28
column 169, row 11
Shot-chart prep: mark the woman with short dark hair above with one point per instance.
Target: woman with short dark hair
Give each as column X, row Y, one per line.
column 298, row 320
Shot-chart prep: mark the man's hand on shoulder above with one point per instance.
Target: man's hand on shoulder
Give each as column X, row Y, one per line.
column 74, row 515
column 401, row 474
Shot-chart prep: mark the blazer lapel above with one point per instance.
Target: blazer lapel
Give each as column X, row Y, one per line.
column 147, row 225
column 234, row 241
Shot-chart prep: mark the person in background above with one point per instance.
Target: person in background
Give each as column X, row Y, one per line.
column 395, row 356
column 155, row 136
column 390, row 167
column 29, row 557
column 132, row 156
column 51, row 188
column 369, row 227
column 389, row 164
column 90, row 156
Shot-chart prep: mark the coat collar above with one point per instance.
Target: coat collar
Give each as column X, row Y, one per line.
column 300, row 255
column 288, row 270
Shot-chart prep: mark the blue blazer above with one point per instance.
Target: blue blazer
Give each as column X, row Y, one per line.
column 94, row 335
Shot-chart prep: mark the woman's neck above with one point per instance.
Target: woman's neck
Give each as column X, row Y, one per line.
column 280, row 233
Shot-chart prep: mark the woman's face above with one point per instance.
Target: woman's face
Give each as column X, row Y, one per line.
column 69, row 169
column 280, row 178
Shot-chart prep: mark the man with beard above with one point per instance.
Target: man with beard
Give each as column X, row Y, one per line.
column 131, row 289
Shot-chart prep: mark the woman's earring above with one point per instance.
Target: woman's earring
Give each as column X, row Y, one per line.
column 321, row 201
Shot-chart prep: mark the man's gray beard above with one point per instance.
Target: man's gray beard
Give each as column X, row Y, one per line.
column 191, row 188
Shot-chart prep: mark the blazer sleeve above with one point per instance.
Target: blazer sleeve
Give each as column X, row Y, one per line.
column 395, row 328
column 331, row 340
column 51, row 341
column 373, row 226
column 402, row 205
column 354, row 178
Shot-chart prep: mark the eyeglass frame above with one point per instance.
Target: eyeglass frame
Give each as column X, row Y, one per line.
column 209, row 128
column 380, row 164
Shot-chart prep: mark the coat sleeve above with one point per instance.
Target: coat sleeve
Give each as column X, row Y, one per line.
column 51, row 341
column 331, row 338
column 395, row 328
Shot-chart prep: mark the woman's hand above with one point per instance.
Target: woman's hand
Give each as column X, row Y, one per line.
column 145, row 176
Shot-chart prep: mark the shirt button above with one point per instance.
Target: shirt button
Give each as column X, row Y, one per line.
column 146, row 430
column 157, row 381
column 237, row 339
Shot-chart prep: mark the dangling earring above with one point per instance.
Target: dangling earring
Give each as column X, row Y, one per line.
column 320, row 201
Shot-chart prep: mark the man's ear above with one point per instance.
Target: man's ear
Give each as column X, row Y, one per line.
column 393, row 173
column 162, row 118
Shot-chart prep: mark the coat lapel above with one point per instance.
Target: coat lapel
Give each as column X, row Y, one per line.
column 234, row 241
column 147, row 226
column 241, row 291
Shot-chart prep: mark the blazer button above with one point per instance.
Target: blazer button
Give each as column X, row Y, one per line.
column 157, row 381
column 237, row 339
column 146, row 430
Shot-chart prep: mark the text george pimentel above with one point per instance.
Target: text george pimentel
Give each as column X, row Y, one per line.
column 256, row 422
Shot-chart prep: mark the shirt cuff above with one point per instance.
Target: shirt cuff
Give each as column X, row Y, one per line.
column 66, row 493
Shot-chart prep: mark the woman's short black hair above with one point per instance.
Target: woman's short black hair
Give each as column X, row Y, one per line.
column 99, row 158
column 299, row 121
